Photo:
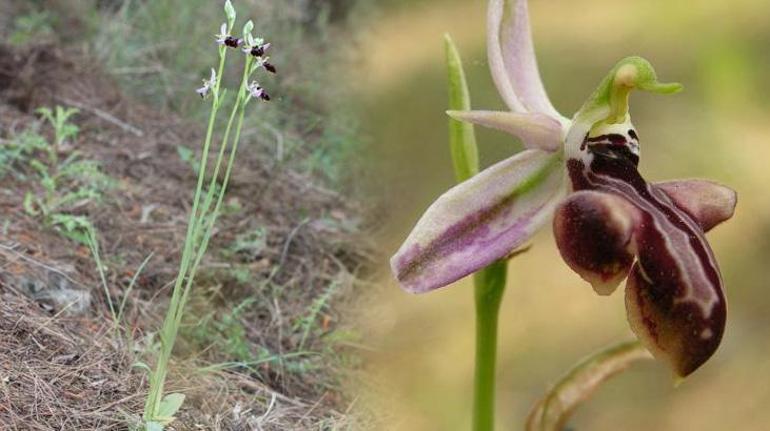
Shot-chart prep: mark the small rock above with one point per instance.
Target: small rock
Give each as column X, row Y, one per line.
column 55, row 292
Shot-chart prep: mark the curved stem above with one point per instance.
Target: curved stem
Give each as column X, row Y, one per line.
column 554, row 409
column 489, row 285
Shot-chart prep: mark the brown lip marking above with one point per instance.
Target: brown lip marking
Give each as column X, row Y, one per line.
column 681, row 306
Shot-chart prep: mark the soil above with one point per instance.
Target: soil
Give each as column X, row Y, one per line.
column 61, row 364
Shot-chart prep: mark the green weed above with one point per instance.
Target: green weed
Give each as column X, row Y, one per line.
column 226, row 333
column 59, row 186
column 34, row 26
column 307, row 323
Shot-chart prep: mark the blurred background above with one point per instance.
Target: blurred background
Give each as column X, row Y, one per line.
column 718, row 128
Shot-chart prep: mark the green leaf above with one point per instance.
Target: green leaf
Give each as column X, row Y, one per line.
column 188, row 156
column 76, row 228
column 46, row 113
column 153, row 426
column 462, row 140
column 169, row 405
column 142, row 365
column 39, row 166
column 29, row 204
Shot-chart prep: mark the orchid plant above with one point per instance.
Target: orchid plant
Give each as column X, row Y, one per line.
column 609, row 222
column 160, row 408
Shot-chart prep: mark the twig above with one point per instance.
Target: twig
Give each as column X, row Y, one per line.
column 104, row 116
column 288, row 242
column 39, row 264
column 54, row 317
column 269, row 408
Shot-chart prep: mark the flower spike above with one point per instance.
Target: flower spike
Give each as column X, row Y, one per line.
column 230, row 12
column 674, row 293
column 257, row 92
column 594, row 232
column 495, row 14
column 224, row 38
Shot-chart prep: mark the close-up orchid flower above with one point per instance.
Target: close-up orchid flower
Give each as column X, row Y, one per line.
column 609, row 222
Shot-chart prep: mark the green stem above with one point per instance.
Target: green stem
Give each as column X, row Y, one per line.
column 168, row 330
column 238, row 107
column 489, row 285
column 490, row 281
column 207, row 227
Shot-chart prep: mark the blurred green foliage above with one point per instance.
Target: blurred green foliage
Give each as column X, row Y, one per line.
column 34, row 26
column 57, row 187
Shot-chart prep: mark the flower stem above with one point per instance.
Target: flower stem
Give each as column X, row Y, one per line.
column 489, row 286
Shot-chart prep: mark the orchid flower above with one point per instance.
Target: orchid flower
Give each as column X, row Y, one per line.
column 608, row 221
column 257, row 92
column 208, row 85
column 224, row 38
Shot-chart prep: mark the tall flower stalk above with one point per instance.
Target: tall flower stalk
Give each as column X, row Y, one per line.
column 159, row 407
column 489, row 283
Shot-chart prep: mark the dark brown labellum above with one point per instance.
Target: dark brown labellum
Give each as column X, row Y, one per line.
column 232, row 42
column 674, row 294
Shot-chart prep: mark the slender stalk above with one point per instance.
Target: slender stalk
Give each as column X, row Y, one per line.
column 207, row 219
column 489, row 283
column 93, row 244
column 169, row 328
column 238, row 107
column 489, row 286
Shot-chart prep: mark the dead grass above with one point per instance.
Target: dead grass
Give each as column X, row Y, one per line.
column 64, row 370
column 48, row 368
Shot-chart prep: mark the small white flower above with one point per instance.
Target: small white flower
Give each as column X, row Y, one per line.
column 208, row 84
column 222, row 36
column 254, row 45
column 256, row 91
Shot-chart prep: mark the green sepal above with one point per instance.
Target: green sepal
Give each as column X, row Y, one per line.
column 462, row 139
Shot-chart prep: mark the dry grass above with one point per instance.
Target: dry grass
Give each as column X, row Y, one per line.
column 52, row 377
